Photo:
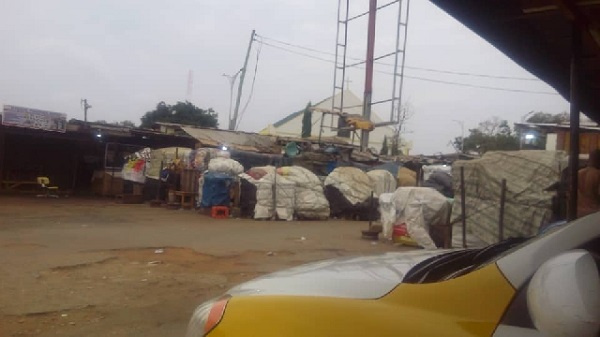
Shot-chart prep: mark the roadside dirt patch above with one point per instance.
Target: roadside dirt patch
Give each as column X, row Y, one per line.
column 78, row 297
column 90, row 267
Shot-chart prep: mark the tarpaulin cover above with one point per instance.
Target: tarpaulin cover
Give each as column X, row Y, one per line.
column 528, row 205
column 428, row 170
column 310, row 203
column 406, row 177
column 225, row 166
column 383, row 181
column 252, row 159
column 134, row 168
column 390, row 167
column 167, row 155
column 440, row 181
column 419, row 208
column 215, row 190
column 198, row 159
column 342, row 208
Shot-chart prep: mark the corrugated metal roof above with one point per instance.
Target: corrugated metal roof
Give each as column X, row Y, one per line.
column 235, row 139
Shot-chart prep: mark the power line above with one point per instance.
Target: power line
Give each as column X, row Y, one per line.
column 450, row 72
column 416, row 77
column 298, row 53
column 477, row 86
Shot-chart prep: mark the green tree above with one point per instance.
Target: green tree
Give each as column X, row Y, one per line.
column 395, row 149
column 384, row 146
column 126, row 123
column 180, row 113
column 307, row 122
column 491, row 135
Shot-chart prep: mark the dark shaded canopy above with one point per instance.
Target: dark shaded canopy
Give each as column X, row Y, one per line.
column 537, row 34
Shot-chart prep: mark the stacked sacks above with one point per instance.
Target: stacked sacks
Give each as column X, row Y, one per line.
column 226, row 166
column 199, row 160
column 264, row 178
column 310, row 203
column 216, row 182
column 348, row 190
column 407, row 177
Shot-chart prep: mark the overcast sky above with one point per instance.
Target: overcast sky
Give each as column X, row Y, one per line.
column 125, row 56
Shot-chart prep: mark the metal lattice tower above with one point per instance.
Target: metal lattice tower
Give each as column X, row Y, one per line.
column 341, row 65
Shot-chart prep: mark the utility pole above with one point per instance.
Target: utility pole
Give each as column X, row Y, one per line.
column 86, row 106
column 364, row 137
column 231, row 79
column 233, row 121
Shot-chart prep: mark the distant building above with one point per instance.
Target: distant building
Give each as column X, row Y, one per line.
column 552, row 136
column 291, row 125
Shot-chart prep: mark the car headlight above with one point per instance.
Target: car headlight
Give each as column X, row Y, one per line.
column 207, row 316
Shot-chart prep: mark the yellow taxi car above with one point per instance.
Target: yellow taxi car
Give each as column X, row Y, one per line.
column 544, row 286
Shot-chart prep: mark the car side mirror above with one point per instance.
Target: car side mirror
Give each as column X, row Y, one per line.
column 564, row 296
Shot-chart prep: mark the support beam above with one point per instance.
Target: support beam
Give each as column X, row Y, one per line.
column 574, row 121
column 364, row 139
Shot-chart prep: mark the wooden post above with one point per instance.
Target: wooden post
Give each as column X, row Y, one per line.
column 159, row 181
column 371, row 211
column 274, row 191
column 502, row 203
column 574, row 122
column 463, row 206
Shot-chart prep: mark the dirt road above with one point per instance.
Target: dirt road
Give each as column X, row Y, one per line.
column 77, row 267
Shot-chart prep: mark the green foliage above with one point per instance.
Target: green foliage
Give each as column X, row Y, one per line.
column 180, row 113
column 384, row 146
column 307, row 122
column 396, row 146
column 491, row 135
column 543, row 117
column 126, row 123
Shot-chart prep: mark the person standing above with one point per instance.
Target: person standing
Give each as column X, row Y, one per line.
column 588, row 189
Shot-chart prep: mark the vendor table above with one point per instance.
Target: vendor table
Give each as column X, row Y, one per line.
column 187, row 199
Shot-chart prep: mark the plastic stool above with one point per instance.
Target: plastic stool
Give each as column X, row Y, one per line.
column 219, row 212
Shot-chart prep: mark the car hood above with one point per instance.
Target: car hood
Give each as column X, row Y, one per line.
column 359, row 277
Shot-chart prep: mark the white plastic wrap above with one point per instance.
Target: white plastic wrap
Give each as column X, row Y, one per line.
column 419, row 208
column 226, row 166
column 383, row 182
column 310, row 200
column 285, row 197
column 387, row 210
column 353, row 183
column 200, row 188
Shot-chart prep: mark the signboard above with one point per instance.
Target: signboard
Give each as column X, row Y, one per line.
column 34, row 119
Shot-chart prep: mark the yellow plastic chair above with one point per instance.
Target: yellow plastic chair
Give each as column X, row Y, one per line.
column 50, row 191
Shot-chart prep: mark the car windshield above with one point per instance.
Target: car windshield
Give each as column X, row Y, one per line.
column 456, row 263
